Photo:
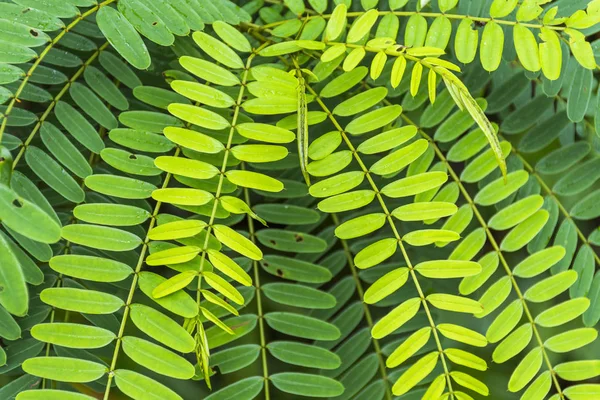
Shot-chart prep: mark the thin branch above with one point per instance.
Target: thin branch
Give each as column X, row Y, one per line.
column 259, row 306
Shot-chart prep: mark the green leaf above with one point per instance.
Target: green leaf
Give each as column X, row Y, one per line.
column 175, row 255
column 179, row 302
column 551, row 287
column 15, row 54
column 81, row 300
column 387, row 140
column 9, row 329
column 462, row 334
column 386, row 285
column 50, row 172
column 183, row 196
column 232, row 36
column 209, row 71
column 302, row 326
column 454, row 303
column 376, row 253
column 396, row 318
column 374, row 119
column 492, row 45
column 448, row 269
column 336, row 23
column 523, row 233
column 119, row 186
column 174, row 284
column 571, row 340
column 101, row 237
column 588, row 207
column 424, row 211
column 360, row 102
column 298, row 296
column 64, row 151
column 337, row 184
column 14, row 296
column 138, row 386
column 254, row 180
column 514, row 343
column 415, row 184
column 237, row 242
column 580, row 93
column 360, row 226
column 563, row 312
column 429, row 236
column 140, row 140
column 146, row 21
column 223, row 287
column 409, row 347
column 295, row 270
column 526, row 370
column 199, row 116
column 344, row 83
column 265, row 132
column 90, row 268
column 229, row 267
column 304, row 355
column 466, row 41
column 578, row 370
column 157, row 358
column 202, row 94
column 527, row 48
column 516, row 212
column 161, row 328
column 218, row 50
column 539, row 262
column 123, row 37
column 51, row 394
column 415, row 374
column 72, row 335
column 64, row 369
column 244, row 389
column 582, row 392
column 235, row 358
column 111, row 214
column 498, row 190
column 347, row 201
column 467, row 359
column 303, row 384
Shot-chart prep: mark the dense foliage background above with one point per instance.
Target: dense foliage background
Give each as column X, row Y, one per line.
column 279, row 199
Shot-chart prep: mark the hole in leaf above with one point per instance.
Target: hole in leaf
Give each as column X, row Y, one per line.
column 17, row 203
column 133, row 157
column 299, row 238
column 274, row 243
column 279, row 272
column 34, row 33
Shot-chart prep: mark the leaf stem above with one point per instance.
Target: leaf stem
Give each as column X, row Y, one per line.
column 259, row 306
column 41, row 57
column 368, row 316
column 394, row 230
